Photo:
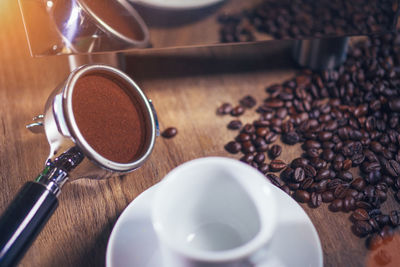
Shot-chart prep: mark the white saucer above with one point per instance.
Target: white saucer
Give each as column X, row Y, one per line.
column 176, row 4
column 134, row 243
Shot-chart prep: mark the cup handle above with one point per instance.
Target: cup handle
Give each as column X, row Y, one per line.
column 264, row 258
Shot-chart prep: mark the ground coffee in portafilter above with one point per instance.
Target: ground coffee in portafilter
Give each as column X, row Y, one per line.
column 109, row 118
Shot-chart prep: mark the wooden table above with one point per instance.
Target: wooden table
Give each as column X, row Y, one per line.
column 186, row 87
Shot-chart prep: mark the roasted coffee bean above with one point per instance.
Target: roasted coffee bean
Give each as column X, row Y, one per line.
column 360, row 215
column 248, row 101
column 358, row 184
column 224, row 109
column 337, row 165
column 290, row 138
column 327, row 196
column 370, row 166
column 382, row 219
column 376, row 147
column 340, row 191
column 392, row 168
column 312, row 152
column 287, row 173
column 299, row 162
column 374, row 241
column 374, row 212
column 347, row 164
column 243, row 137
column 357, row 159
column 324, row 136
column 235, row 125
column 233, row 147
column 263, row 167
column 318, row 163
column 375, row 226
column 302, row 196
column 349, row 203
column 286, row 189
column 169, row 132
column 312, row 144
column 248, row 129
column 237, row 111
column 394, row 218
column 315, row 200
column 336, row 205
column 322, row 174
column 277, row 165
column 275, row 151
column 345, row 176
column 261, row 123
column 327, row 154
column 363, row 205
column 394, row 105
column 259, row 157
column 362, row 228
column 261, row 131
column 321, row 186
column 275, row 180
column 270, row 137
column 273, row 103
column 247, row 158
column 293, row 186
column 298, row 175
column 307, row 183
column 334, row 183
column 247, row 147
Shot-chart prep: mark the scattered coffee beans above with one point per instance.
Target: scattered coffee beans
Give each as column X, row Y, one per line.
column 345, row 118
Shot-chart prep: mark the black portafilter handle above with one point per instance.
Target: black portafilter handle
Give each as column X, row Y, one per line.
column 25, row 217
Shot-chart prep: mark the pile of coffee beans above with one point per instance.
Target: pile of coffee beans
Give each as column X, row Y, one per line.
column 285, row 19
column 346, row 122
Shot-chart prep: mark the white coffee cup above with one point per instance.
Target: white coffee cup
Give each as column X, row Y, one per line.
column 213, row 212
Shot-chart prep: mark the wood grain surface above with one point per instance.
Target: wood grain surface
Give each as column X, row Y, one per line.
column 186, row 86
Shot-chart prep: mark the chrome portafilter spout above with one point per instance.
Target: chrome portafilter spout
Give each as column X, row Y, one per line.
column 71, row 156
column 55, row 174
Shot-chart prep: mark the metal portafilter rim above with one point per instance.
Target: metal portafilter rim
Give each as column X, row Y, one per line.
column 79, row 138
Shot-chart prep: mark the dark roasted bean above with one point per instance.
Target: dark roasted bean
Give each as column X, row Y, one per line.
column 248, row 101
column 259, row 158
column 291, row 138
column 225, row 108
column 360, row 215
column 275, row 151
column 315, row 200
column 169, row 132
column 237, row 111
column 235, row 125
column 277, row 165
column 302, row 196
column 276, row 180
column 271, row 137
column 362, row 228
column 233, row 147
column 327, row 196
column 336, row 205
